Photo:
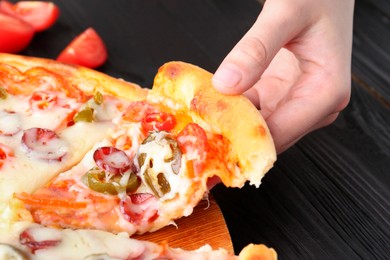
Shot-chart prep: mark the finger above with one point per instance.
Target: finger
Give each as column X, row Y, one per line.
column 309, row 109
column 275, row 83
column 277, row 24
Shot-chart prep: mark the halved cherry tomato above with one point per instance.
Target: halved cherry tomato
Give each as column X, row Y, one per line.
column 15, row 34
column 87, row 49
column 159, row 121
column 39, row 14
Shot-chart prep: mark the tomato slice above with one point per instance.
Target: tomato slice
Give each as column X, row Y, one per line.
column 87, row 49
column 39, row 14
column 158, row 121
column 15, row 34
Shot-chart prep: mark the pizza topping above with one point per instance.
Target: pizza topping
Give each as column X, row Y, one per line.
column 3, row 93
column 98, row 98
column 96, row 180
column 160, row 121
column 193, row 143
column 159, row 159
column 10, row 123
column 139, row 208
column 84, row 115
column 111, row 159
column 5, row 152
column 44, row 144
column 11, row 253
column 34, row 243
column 42, row 100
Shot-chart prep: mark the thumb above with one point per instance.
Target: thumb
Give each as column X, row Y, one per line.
column 277, row 24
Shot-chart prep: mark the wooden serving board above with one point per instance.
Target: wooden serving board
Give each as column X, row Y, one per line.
column 205, row 225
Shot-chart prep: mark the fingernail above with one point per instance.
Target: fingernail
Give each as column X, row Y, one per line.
column 227, row 77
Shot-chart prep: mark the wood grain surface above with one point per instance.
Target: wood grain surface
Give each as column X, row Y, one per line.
column 328, row 197
column 205, row 226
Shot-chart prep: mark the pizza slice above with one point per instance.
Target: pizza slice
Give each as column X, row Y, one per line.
column 31, row 241
column 155, row 165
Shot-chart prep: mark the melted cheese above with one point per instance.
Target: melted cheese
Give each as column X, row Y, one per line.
column 94, row 244
column 19, row 172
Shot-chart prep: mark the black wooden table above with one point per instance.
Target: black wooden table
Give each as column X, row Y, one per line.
column 328, row 197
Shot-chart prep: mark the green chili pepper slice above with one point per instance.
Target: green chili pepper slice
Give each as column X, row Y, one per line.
column 85, row 115
column 95, row 179
column 98, row 98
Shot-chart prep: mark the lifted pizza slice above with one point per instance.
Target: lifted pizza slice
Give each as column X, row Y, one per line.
column 156, row 163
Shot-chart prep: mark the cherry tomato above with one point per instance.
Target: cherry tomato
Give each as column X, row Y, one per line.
column 87, row 49
column 39, row 14
column 139, row 208
column 15, row 34
column 159, row 121
column 111, row 159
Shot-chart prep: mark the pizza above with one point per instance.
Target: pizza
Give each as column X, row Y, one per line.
column 84, row 154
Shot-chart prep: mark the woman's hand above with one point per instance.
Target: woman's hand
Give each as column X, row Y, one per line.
column 294, row 64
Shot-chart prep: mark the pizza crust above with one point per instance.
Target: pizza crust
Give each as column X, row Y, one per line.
column 233, row 116
column 87, row 80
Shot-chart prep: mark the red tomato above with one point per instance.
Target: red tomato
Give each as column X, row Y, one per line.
column 41, row 15
column 159, row 121
column 15, row 34
column 87, row 50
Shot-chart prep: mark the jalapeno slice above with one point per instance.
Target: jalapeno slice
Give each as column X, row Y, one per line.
column 98, row 98
column 85, row 115
column 96, row 180
column 154, row 170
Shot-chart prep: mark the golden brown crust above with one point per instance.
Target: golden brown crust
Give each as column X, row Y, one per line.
column 234, row 117
column 257, row 252
column 87, row 80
